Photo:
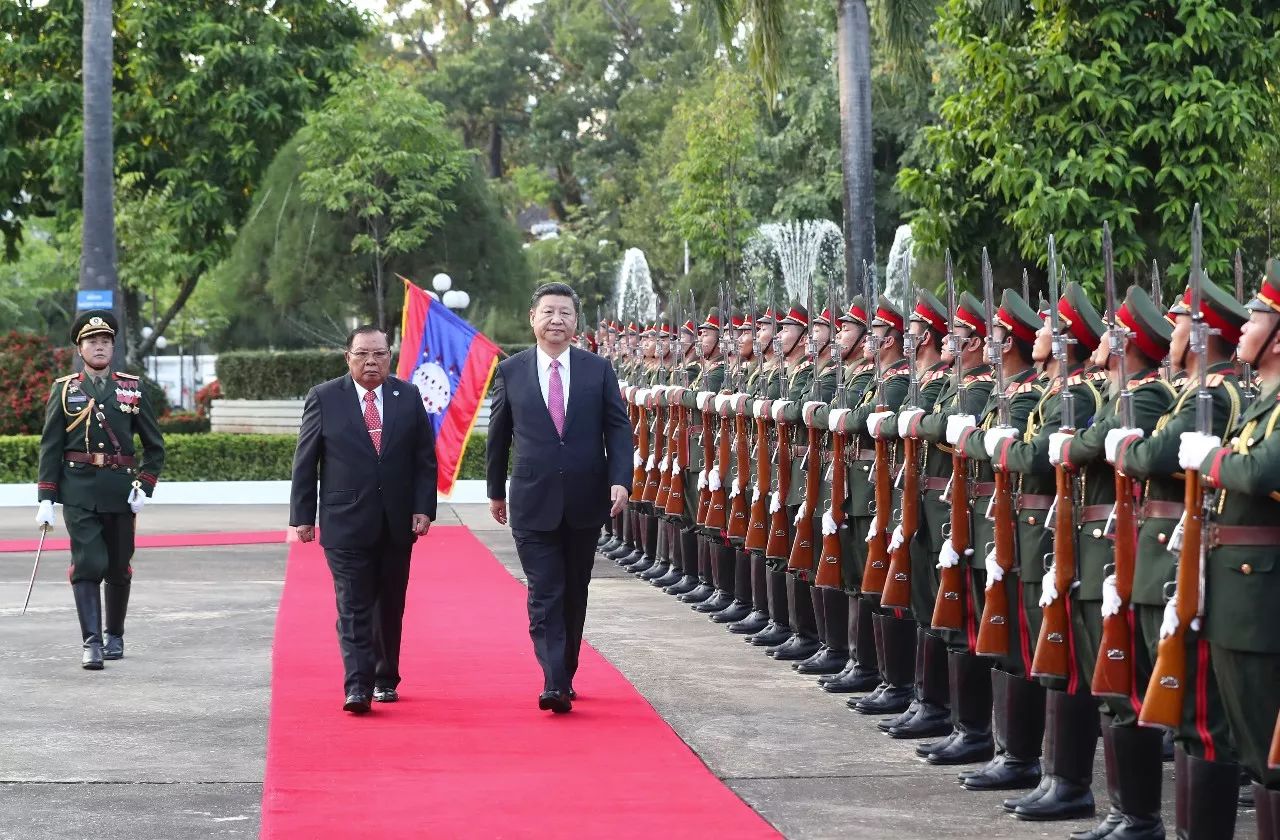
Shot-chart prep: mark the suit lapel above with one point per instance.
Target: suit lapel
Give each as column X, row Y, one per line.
column 537, row 390
column 390, row 408
column 351, row 410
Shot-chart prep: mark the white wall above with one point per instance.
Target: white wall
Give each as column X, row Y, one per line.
column 182, row 376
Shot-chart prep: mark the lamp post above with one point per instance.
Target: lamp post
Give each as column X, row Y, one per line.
column 455, row 299
column 159, row 344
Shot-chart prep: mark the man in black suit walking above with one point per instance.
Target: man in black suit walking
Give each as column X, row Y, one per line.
column 368, row 441
column 561, row 407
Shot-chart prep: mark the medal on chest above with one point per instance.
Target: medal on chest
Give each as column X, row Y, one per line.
column 128, row 399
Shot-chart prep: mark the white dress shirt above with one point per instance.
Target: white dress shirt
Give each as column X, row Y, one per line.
column 377, row 400
column 544, row 375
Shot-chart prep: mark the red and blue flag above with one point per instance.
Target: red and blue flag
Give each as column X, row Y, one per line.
column 451, row 363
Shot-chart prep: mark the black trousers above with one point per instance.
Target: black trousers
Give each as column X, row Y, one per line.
column 370, row 585
column 101, row 545
column 557, row 565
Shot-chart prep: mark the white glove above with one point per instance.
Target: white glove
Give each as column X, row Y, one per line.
column 723, row 402
column 874, row 529
column 1110, row 597
column 1111, row 443
column 1194, row 448
column 808, row 408
column 775, row 502
column 836, row 419
column 1169, row 625
column 1050, row 587
column 702, row 480
column 755, row 494
column 947, row 556
column 713, row 479
column 636, row 460
column 137, row 499
column 663, row 464
column 995, row 574
column 801, row 513
column 735, row 488
column 991, row 440
column 1057, row 443
column 956, row 424
column 779, row 406
column 906, row 419
column 44, row 514
column 675, row 464
column 649, row 464
column 896, row 540
column 757, row 410
column 829, row 525
column 874, row 419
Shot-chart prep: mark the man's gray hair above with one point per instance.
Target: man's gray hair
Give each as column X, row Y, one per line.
column 559, row 289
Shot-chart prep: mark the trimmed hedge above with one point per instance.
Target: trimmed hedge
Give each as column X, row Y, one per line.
column 208, row 457
column 263, row 375
column 183, row 423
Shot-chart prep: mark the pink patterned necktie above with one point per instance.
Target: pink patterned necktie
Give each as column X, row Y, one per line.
column 555, row 397
column 372, row 421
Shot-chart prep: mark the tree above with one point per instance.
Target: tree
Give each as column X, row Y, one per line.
column 1072, row 113
column 379, row 152
column 205, row 92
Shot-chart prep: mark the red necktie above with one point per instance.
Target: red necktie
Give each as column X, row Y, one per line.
column 555, row 397
column 372, row 421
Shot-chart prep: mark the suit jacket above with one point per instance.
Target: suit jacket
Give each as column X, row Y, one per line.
column 557, row 479
column 359, row 487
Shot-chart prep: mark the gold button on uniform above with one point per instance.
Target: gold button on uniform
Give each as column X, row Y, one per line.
column 1031, row 520
column 1161, row 538
column 1246, row 569
column 1097, row 533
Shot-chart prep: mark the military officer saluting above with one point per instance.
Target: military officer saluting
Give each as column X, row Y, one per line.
column 88, row 464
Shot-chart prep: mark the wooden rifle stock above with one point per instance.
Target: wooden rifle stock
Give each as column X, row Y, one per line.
column 641, row 435
column 1273, row 757
column 993, row 632
column 1053, row 650
column 675, row 498
column 949, row 608
column 778, row 544
column 897, row 585
column 877, row 569
column 1113, row 672
column 657, row 437
column 758, row 522
column 668, row 453
column 708, row 460
column 738, row 503
column 1162, row 705
column 718, row 511
column 800, row 560
column 829, row 561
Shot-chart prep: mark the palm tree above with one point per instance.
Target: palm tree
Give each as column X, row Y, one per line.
column 900, row 24
column 98, row 257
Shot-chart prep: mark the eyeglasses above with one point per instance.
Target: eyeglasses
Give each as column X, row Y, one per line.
column 378, row 355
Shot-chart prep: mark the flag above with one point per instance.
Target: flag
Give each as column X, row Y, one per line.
column 451, row 363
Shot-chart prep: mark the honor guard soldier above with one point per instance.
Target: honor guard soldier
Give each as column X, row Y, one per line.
column 1204, row 756
column 1242, row 582
column 1139, row 333
column 89, row 465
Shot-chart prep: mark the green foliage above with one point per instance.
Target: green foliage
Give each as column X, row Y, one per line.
column 262, row 375
column 183, row 423
column 1071, row 113
column 379, row 154
column 36, row 290
column 208, row 457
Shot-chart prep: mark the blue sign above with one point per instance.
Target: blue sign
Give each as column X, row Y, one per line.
column 94, row 299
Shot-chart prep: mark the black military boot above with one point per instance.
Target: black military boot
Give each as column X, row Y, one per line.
column 758, row 618
column 903, row 718
column 1268, row 818
column 872, row 619
column 860, row 675
column 722, row 566
column 740, row 608
column 778, row 630
column 628, row 543
column 614, row 540
column 116, row 601
column 1134, row 759
column 648, row 545
column 897, row 668
column 1017, row 724
column 835, row 625
column 933, row 712
column 820, row 628
column 662, row 562
column 1072, row 725
column 971, row 700
column 688, row 563
column 804, row 624
column 705, row 588
column 1210, row 798
column 88, row 597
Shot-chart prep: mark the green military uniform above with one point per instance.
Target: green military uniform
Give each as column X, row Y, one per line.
column 88, row 463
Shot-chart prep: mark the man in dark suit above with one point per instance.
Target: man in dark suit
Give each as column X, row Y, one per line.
column 562, row 409
column 368, row 441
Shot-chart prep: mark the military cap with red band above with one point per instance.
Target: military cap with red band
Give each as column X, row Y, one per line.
column 887, row 315
column 798, row 316
column 1221, row 311
column 825, row 318
column 689, row 327
column 930, row 311
column 857, row 312
column 632, row 329
column 1080, row 318
column 712, row 321
column 738, row 321
column 969, row 314
column 1017, row 316
column 767, row 317
column 1268, row 298
column 1148, row 328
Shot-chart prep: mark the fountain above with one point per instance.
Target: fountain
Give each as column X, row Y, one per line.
column 803, row 252
column 895, row 285
column 633, row 293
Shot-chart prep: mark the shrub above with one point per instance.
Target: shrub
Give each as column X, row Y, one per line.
column 28, row 365
column 183, row 423
column 205, row 397
column 263, row 375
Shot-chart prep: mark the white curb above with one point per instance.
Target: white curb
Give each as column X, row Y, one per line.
column 471, row 491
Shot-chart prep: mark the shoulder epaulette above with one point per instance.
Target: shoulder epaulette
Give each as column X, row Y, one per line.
column 122, row 375
column 1098, row 375
column 1027, row 387
column 1075, row 380
column 1213, row 380
column 982, row 377
column 931, row 376
column 65, row 378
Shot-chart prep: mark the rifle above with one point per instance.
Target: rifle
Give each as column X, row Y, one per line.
column 706, row 439
column 993, row 629
column 1246, row 373
column 877, row 568
column 831, row 556
column 897, row 586
column 800, row 559
column 739, row 507
column 1163, row 703
column 1113, row 672
column 658, row 432
column 1166, row 364
column 679, row 446
column 666, row 410
column 949, row 608
column 1053, row 650
column 758, row 519
column 776, row 547
column 717, row 514
column 1026, row 286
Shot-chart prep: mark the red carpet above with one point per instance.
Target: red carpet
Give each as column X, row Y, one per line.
column 466, row 752
column 53, row 543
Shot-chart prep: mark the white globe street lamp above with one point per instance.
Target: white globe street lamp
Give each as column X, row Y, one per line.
column 442, row 282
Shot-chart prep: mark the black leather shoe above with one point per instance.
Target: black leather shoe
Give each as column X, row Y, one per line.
column 643, row 563
column 357, row 702
column 718, row 601
column 114, row 647
column 856, row 681
column 879, row 689
column 698, row 594
column 826, row 661
column 802, row 648
column 753, row 623
column 686, row 584
column 966, row 748
column 657, row 570
column 1064, row 800
column 1006, row 774
column 573, row 695
column 929, row 747
column 623, row 550
column 734, row 612
column 635, row 555
column 672, row 577
column 930, row 721
column 554, row 701
column 91, row 659
column 895, row 698
column 1030, row 796
column 901, row 718
column 385, row 695
column 771, row 636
